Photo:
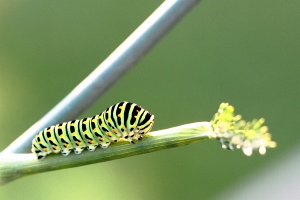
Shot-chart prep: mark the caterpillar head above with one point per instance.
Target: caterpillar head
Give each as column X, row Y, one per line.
column 146, row 124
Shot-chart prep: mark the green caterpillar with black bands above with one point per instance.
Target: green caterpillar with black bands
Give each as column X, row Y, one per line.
column 122, row 120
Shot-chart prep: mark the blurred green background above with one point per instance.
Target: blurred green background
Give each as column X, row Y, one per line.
column 242, row 52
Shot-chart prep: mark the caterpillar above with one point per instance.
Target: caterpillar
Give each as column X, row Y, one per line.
column 122, row 120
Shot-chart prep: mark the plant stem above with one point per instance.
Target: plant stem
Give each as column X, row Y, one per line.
column 14, row 166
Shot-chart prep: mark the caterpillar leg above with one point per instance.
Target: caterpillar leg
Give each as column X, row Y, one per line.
column 65, row 152
column 91, row 148
column 76, row 151
column 39, row 154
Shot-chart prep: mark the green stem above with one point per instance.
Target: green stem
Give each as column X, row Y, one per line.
column 14, row 166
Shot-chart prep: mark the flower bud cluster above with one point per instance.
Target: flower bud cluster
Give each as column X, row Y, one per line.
column 233, row 132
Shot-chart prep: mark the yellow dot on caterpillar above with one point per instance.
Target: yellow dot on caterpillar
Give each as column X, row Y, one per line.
column 101, row 139
column 84, row 132
column 108, row 134
column 93, row 120
column 108, row 120
column 120, row 107
column 135, row 116
column 95, row 129
column 74, row 133
column 66, row 145
column 54, row 147
column 114, row 130
column 78, row 143
column 119, row 115
column 46, row 149
column 72, row 124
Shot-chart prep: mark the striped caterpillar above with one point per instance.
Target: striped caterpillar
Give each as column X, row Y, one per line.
column 122, row 120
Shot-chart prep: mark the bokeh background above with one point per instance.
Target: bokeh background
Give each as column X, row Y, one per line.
column 242, row 52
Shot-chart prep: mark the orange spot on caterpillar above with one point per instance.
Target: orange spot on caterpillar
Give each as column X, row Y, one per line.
column 101, row 139
column 122, row 128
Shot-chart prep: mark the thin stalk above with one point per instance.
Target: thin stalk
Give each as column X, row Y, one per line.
column 14, row 166
column 109, row 71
